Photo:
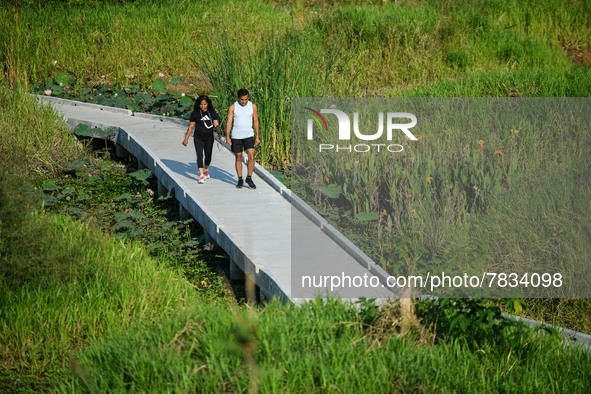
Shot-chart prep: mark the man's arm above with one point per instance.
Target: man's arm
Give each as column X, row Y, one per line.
column 229, row 124
column 255, row 122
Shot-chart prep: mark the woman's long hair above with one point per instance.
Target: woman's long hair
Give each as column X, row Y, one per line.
column 207, row 100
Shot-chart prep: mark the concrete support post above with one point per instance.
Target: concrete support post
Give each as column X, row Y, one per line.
column 161, row 189
column 120, row 151
column 235, row 271
column 208, row 238
column 183, row 213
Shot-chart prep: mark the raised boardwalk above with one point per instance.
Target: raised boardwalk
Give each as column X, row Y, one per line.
column 257, row 228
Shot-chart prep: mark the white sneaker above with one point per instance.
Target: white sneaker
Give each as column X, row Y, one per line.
column 201, row 179
column 206, row 174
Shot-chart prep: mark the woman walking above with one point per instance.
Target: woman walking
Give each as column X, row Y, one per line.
column 204, row 119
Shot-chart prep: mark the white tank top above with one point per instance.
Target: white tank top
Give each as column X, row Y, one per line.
column 242, row 127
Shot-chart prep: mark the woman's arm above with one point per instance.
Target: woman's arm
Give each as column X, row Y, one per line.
column 189, row 131
column 216, row 126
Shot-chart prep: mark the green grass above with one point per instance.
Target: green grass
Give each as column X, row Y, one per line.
column 124, row 42
column 541, row 82
column 41, row 142
column 205, row 350
column 563, row 312
column 542, row 225
column 90, row 285
column 63, row 284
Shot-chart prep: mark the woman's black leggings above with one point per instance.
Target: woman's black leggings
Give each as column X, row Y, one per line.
column 201, row 147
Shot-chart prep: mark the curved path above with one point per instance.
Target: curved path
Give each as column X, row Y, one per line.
column 270, row 235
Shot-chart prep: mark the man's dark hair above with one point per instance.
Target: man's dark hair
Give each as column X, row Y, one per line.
column 243, row 92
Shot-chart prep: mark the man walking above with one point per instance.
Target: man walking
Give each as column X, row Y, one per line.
column 243, row 115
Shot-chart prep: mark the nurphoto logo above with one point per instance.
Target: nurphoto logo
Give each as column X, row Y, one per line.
column 344, row 130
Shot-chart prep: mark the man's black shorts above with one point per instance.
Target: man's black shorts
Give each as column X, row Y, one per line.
column 239, row 145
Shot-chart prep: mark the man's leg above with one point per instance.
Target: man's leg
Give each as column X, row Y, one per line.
column 239, row 170
column 250, row 168
column 250, row 165
column 239, row 164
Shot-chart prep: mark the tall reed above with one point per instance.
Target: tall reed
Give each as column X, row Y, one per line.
column 284, row 66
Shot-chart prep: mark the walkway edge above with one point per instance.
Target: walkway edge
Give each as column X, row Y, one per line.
column 575, row 338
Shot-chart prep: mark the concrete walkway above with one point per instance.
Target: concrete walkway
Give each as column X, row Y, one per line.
column 269, row 234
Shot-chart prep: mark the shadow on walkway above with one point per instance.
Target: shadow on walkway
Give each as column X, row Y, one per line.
column 189, row 170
